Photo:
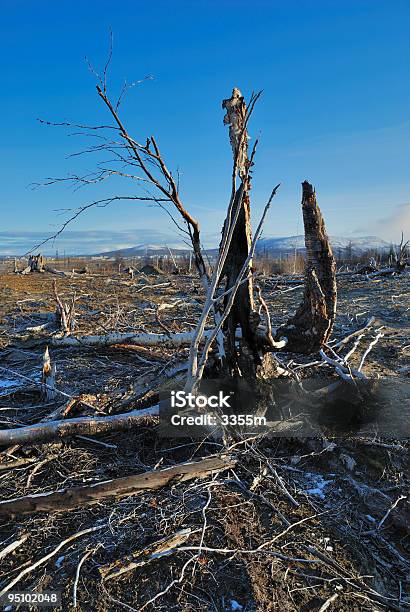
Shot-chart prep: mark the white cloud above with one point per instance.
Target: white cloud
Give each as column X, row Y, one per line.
column 391, row 226
column 81, row 242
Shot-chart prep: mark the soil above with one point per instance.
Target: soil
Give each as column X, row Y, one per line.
column 319, row 523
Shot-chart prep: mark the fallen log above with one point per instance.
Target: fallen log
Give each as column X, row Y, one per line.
column 385, row 272
column 68, row 499
column 54, row 271
column 52, row 430
column 141, row 339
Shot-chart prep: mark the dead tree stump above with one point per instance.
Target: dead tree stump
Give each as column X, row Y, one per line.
column 36, row 263
column 247, row 357
column 48, row 379
column 312, row 324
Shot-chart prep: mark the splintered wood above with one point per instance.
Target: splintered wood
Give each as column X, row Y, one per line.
column 48, row 380
column 243, row 309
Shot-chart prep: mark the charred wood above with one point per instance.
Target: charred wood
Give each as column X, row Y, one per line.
column 310, row 328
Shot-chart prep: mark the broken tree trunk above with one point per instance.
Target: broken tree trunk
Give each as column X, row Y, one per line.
column 401, row 255
column 65, row 313
column 400, row 262
column 48, row 378
column 242, row 353
column 311, row 326
column 68, row 499
column 85, row 426
column 35, row 264
column 246, row 358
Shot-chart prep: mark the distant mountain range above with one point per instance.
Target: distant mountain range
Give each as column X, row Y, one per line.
column 290, row 243
column 272, row 246
column 151, row 241
column 147, row 248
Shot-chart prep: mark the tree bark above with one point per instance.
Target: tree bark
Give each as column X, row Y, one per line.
column 310, row 328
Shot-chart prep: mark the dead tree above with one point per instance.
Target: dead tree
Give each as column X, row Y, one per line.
column 400, row 255
column 311, row 326
column 130, row 271
column 235, row 314
column 243, row 312
column 65, row 313
column 48, row 378
column 239, row 343
column 397, row 261
column 248, row 357
column 36, row 263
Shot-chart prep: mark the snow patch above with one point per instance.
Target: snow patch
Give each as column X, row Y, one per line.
column 317, row 485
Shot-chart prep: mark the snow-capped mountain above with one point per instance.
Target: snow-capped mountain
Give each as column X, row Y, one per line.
column 269, row 245
column 274, row 245
column 148, row 248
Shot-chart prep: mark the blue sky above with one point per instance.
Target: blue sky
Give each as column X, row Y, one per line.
column 335, row 109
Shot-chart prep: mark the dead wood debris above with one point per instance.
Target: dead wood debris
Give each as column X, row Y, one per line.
column 345, row 533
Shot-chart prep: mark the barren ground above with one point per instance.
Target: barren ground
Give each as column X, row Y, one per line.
column 296, row 525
